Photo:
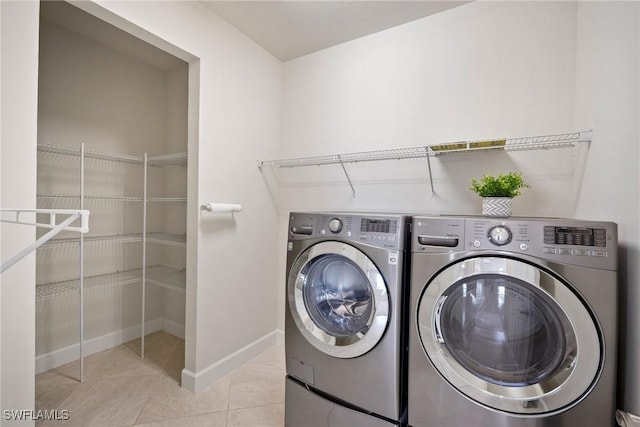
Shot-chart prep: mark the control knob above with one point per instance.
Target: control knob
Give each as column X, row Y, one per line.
column 499, row 235
column 335, row 225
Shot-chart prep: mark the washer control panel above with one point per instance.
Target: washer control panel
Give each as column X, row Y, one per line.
column 381, row 230
column 577, row 242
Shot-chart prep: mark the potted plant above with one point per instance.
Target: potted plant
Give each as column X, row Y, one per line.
column 498, row 191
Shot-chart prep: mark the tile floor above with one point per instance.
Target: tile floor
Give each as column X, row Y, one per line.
column 121, row 389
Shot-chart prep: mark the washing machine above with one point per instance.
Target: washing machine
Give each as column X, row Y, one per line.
column 513, row 322
column 345, row 335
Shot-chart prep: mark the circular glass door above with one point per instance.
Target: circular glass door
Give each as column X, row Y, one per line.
column 338, row 299
column 509, row 335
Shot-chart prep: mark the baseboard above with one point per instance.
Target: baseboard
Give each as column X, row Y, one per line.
column 64, row 355
column 196, row 382
column 173, row 328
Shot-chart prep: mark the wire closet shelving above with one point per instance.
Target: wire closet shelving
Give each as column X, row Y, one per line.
column 16, row 216
column 159, row 275
column 541, row 142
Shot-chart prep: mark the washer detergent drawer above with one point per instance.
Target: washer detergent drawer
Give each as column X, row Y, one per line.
column 304, row 408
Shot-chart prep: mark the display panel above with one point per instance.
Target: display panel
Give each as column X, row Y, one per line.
column 370, row 225
column 575, row 236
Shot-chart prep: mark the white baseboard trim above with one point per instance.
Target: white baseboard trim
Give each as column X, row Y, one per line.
column 64, row 355
column 173, row 328
column 196, row 382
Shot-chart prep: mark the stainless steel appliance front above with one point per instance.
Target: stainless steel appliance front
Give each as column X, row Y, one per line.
column 513, row 322
column 343, row 324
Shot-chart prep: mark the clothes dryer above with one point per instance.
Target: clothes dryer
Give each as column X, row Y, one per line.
column 344, row 325
column 513, row 322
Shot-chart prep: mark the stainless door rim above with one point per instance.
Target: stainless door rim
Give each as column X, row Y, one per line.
column 576, row 374
column 342, row 347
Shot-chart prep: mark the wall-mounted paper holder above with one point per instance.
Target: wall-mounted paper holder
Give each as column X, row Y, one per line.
column 221, row 207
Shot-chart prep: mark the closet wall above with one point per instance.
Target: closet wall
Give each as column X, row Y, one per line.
column 19, row 39
column 112, row 102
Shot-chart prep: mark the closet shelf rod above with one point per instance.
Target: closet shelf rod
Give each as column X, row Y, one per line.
column 52, row 224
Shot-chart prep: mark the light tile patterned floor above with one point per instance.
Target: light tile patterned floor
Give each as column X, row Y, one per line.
column 121, row 389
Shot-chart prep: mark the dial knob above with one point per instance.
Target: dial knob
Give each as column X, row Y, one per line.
column 499, row 235
column 335, row 225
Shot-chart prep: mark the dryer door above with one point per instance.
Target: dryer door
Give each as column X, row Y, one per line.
column 338, row 299
column 510, row 335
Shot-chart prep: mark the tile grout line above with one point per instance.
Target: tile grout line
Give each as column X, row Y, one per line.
column 226, row 419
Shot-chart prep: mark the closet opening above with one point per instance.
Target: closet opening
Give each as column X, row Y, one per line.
column 113, row 139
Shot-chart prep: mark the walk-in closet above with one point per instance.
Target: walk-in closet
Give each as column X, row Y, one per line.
column 112, row 139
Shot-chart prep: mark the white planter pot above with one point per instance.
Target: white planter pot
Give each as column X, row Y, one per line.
column 496, row 206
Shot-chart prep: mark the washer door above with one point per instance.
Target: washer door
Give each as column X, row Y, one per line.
column 509, row 335
column 338, row 299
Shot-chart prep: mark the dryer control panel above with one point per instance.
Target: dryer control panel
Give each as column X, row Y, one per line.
column 577, row 242
column 381, row 230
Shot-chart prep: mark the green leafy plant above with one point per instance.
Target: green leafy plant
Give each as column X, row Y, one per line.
column 508, row 185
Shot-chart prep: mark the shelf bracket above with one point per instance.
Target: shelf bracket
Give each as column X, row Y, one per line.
column 55, row 228
column 353, row 191
column 426, row 154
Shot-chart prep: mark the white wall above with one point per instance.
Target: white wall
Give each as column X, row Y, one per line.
column 19, row 35
column 483, row 70
column 608, row 99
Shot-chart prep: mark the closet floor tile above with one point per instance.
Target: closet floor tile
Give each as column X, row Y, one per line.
column 261, row 416
column 111, row 402
column 70, row 372
column 122, row 389
column 217, row 419
column 255, row 385
column 169, row 400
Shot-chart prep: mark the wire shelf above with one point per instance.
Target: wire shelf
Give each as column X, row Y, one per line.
column 93, row 240
column 167, row 239
column 162, row 238
column 167, row 277
column 178, row 159
column 159, row 275
column 522, row 143
column 94, row 197
column 73, row 151
column 167, row 199
column 123, row 278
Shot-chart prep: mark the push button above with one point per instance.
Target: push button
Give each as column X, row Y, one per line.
column 580, row 252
